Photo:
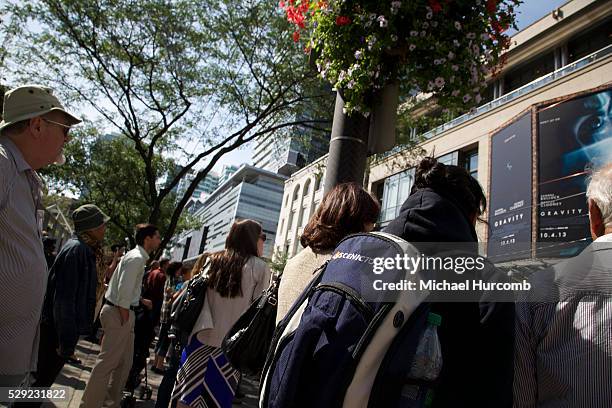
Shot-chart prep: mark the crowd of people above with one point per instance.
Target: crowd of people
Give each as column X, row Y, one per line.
column 550, row 353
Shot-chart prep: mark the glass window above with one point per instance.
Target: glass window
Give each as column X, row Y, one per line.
column 528, row 72
column 396, row 190
column 450, row 158
column 590, row 41
column 470, row 162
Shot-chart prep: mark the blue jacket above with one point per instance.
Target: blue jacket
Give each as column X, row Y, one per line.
column 70, row 300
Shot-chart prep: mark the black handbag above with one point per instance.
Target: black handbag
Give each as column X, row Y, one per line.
column 246, row 344
column 187, row 307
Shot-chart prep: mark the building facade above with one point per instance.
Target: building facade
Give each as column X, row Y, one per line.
column 563, row 59
column 287, row 154
column 248, row 193
column 303, row 192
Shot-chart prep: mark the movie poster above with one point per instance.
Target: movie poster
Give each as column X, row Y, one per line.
column 511, row 189
column 574, row 136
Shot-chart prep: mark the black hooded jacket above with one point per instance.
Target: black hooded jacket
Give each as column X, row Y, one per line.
column 477, row 338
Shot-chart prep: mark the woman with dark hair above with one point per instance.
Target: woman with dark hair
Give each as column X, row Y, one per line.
column 346, row 209
column 236, row 277
column 476, row 337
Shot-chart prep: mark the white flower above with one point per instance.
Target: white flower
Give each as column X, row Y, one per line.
column 436, row 62
column 411, row 47
column 466, row 98
column 371, row 42
column 456, row 92
column 341, row 76
column 457, row 25
column 372, row 16
column 451, row 55
column 383, row 21
column 351, row 84
column 396, row 4
column 426, row 25
column 439, row 82
column 414, row 33
column 430, row 86
column 367, row 24
column 434, row 23
column 471, row 36
column 393, row 37
column 455, row 67
column 423, row 33
column 456, row 43
column 429, row 15
column 358, row 54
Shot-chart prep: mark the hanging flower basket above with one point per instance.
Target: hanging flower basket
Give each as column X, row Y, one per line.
column 446, row 48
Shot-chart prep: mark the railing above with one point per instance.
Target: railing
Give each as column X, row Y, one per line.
column 525, row 89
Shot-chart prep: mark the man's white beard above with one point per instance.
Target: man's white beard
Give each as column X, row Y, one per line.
column 60, row 159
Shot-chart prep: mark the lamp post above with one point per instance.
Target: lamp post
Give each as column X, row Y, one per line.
column 354, row 137
column 348, row 147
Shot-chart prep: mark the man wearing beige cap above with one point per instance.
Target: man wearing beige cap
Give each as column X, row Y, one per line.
column 33, row 132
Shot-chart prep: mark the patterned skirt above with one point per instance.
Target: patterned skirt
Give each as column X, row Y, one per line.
column 205, row 378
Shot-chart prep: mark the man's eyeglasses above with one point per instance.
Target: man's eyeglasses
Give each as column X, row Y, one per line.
column 263, row 237
column 66, row 127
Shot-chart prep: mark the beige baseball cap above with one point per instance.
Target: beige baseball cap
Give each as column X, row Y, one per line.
column 30, row 101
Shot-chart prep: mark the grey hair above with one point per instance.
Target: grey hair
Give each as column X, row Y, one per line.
column 600, row 191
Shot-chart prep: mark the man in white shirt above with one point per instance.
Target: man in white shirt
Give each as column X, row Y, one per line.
column 117, row 318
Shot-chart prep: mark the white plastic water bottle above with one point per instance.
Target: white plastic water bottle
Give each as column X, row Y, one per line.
column 425, row 368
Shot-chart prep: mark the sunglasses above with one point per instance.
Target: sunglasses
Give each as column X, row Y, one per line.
column 263, row 237
column 66, row 127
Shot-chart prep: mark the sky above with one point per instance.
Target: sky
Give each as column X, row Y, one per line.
column 527, row 13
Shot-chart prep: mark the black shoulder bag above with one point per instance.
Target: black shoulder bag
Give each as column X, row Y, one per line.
column 187, row 307
column 246, row 344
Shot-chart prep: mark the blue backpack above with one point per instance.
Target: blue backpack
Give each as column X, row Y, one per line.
column 343, row 344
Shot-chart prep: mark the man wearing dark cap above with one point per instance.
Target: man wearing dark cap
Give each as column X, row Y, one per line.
column 70, row 300
column 33, row 133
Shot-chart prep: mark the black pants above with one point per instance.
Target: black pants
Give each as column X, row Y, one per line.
column 164, row 392
column 50, row 364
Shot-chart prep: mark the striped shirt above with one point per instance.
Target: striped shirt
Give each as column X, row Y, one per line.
column 564, row 337
column 23, row 269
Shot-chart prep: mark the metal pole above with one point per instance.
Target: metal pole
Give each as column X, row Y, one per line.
column 348, row 147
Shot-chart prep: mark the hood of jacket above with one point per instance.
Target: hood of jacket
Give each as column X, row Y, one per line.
column 428, row 216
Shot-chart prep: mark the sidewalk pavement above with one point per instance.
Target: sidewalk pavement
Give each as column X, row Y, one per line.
column 75, row 377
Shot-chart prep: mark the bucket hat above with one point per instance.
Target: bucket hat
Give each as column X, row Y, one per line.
column 30, row 101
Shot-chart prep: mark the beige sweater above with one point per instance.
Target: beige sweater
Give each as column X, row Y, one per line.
column 224, row 312
column 297, row 275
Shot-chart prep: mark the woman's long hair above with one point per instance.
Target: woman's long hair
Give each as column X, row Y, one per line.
column 225, row 271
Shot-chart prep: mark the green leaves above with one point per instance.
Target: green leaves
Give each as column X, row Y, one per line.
column 162, row 75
